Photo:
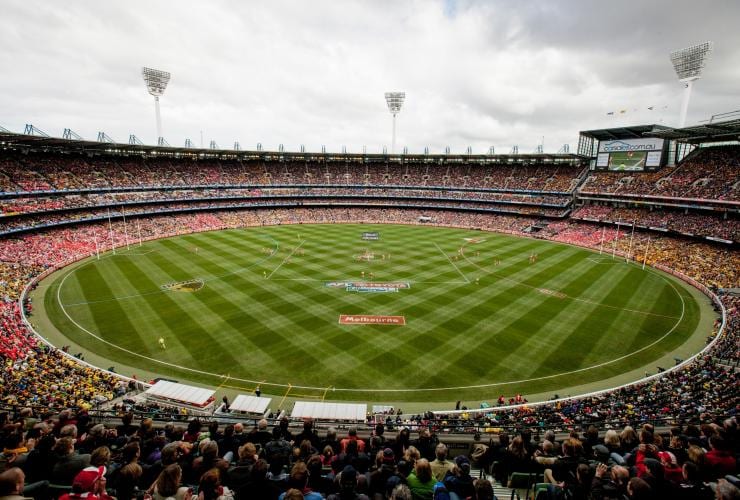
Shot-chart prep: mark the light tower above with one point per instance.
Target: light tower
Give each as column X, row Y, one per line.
column 688, row 64
column 395, row 101
column 156, row 81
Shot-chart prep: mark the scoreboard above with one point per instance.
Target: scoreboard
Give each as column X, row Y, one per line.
column 634, row 155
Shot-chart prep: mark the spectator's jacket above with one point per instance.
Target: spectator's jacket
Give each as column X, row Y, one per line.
column 720, row 462
column 419, row 490
column 461, row 485
column 440, row 468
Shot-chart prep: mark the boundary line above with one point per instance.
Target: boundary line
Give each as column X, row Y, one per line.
column 286, row 259
column 453, row 264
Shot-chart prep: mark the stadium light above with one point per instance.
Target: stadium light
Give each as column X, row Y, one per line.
column 394, row 101
column 156, row 81
column 688, row 64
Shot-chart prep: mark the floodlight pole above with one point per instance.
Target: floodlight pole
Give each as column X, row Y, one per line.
column 156, row 83
column 688, row 64
column 394, row 101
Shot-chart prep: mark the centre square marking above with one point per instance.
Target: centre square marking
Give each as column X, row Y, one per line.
column 369, row 319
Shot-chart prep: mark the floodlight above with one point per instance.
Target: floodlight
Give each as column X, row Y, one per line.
column 688, row 64
column 394, row 101
column 156, row 81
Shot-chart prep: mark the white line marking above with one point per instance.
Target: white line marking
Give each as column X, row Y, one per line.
column 453, row 264
column 428, row 389
column 285, row 259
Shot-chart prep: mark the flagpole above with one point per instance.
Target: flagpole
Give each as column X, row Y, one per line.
column 644, row 258
column 97, row 251
column 138, row 229
column 110, row 233
column 614, row 246
column 125, row 231
column 601, row 246
column 629, row 252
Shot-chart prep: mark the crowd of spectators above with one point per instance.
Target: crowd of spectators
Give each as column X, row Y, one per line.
column 47, row 453
column 37, row 375
column 718, row 225
column 710, row 173
column 41, row 171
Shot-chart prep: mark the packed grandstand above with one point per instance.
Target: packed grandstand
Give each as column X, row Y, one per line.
column 56, row 195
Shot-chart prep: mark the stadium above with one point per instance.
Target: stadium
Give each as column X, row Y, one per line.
column 338, row 324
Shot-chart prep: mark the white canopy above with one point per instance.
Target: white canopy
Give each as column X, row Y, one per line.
column 180, row 393
column 382, row 409
column 329, row 411
column 250, row 404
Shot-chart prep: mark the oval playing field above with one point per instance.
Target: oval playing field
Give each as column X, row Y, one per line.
column 427, row 314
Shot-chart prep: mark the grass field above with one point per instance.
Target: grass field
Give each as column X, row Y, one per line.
column 246, row 306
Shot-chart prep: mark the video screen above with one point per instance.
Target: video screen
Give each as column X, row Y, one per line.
column 627, row 160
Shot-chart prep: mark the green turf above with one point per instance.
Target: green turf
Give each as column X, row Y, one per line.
column 571, row 318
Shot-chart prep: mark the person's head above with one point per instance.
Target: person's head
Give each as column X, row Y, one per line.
column 131, row 452
column 89, row 480
column 463, row 464
column 517, row 447
column 209, row 484
column 547, row 447
column 298, row 476
column 194, row 426
column 620, row 475
column 717, row 442
column 64, row 446
column 638, row 489
column 401, row 492
column 11, row 482
column 127, row 418
column 503, row 439
column 725, row 490
column 628, row 435
column 691, row 472
column 307, row 425
column 611, row 439
column 209, row 450
column 100, row 456
column 247, row 450
column 239, row 427
column 130, row 473
column 483, row 489
column 348, row 479
column 441, row 451
column 293, row 494
column 572, row 447
column 259, row 470
column 423, row 470
column 69, row 430
column 646, row 437
column 696, row 454
column 412, row 454
column 352, row 432
column 169, row 480
column 387, row 457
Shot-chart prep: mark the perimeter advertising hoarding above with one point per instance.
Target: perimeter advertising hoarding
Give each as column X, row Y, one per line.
column 630, row 154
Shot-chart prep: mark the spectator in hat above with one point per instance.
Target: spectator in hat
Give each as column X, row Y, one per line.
column 385, row 463
column 458, row 480
column 347, row 486
column 88, row 484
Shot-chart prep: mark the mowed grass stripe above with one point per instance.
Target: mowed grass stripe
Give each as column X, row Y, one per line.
column 109, row 316
column 286, row 331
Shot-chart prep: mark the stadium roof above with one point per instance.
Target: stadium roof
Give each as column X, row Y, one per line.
column 634, row 132
column 59, row 145
column 728, row 130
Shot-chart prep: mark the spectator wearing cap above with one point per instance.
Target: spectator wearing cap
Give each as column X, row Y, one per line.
column 11, row 484
column 385, row 468
column 347, row 480
column 88, row 484
column 671, row 471
column 458, row 480
column 421, row 481
column 441, row 466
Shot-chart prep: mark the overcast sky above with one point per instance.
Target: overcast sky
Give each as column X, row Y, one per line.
column 475, row 73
